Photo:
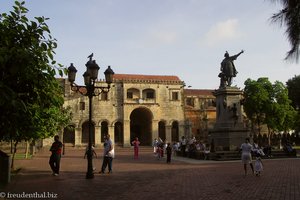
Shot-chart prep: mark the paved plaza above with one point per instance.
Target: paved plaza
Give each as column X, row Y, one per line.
column 149, row 178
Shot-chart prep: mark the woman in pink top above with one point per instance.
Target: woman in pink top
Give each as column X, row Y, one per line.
column 136, row 144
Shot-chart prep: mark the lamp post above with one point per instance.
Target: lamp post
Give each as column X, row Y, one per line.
column 90, row 90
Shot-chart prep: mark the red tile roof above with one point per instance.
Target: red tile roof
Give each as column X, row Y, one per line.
column 195, row 92
column 145, row 77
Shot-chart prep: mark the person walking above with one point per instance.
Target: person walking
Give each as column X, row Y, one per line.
column 169, row 152
column 94, row 154
column 54, row 161
column 136, row 146
column 108, row 155
column 175, row 148
column 155, row 145
column 159, row 151
column 183, row 145
column 258, row 165
column 246, row 149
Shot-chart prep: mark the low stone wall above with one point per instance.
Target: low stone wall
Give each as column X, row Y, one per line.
column 200, row 155
column 234, row 155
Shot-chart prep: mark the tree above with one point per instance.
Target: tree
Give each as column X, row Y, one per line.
column 281, row 114
column 256, row 100
column 289, row 16
column 31, row 104
column 267, row 103
column 293, row 86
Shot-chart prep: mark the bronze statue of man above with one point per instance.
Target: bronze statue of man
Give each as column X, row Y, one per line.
column 228, row 69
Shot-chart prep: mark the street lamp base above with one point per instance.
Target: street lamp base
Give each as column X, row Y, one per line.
column 89, row 175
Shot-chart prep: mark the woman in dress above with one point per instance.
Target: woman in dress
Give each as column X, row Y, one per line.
column 136, row 144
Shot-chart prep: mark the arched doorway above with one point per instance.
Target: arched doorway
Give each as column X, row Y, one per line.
column 69, row 135
column 162, row 130
column 119, row 139
column 85, row 133
column 141, row 125
column 175, row 131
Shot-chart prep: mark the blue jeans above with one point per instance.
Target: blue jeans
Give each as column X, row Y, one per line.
column 54, row 163
column 107, row 161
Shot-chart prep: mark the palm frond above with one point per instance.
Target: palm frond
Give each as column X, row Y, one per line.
column 289, row 17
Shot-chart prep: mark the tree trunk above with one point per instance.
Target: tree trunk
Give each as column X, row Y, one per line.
column 11, row 146
column 269, row 136
column 27, row 149
column 258, row 124
column 13, row 156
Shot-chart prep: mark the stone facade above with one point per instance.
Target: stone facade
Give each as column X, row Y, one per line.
column 142, row 106
column 200, row 112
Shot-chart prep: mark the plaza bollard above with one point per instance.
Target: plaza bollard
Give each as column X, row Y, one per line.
column 4, row 168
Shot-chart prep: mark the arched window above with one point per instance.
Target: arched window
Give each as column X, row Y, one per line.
column 148, row 94
column 133, row 93
column 69, row 135
column 85, row 132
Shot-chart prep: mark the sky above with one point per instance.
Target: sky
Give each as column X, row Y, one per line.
column 185, row 38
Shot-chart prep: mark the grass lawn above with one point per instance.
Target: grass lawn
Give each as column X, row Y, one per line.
column 21, row 156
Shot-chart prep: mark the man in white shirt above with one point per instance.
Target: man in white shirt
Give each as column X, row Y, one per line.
column 246, row 149
column 108, row 155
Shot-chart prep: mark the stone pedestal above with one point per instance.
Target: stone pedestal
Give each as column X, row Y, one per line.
column 229, row 131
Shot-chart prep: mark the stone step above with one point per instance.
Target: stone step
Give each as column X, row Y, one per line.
column 235, row 155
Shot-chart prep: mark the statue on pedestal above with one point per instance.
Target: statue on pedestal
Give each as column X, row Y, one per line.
column 228, row 69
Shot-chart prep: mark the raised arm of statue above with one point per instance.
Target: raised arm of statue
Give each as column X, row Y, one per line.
column 237, row 55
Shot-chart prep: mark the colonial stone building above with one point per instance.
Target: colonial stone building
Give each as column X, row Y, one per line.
column 142, row 106
column 200, row 112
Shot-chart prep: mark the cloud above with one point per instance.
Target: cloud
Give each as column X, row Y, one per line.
column 165, row 37
column 221, row 32
column 159, row 38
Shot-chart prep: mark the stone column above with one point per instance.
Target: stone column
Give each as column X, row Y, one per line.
column 111, row 133
column 78, row 135
column 181, row 131
column 97, row 135
column 169, row 133
column 154, row 129
column 126, row 133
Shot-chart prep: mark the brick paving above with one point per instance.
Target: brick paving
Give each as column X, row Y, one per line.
column 149, row 178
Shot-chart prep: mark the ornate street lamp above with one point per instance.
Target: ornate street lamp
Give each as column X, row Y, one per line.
column 90, row 90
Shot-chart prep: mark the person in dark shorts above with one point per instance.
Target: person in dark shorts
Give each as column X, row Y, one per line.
column 55, row 157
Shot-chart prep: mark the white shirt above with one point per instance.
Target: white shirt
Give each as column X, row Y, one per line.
column 183, row 142
column 108, row 144
column 246, row 148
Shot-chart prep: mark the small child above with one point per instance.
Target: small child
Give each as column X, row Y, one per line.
column 206, row 153
column 175, row 148
column 258, row 165
column 94, row 154
column 158, row 152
